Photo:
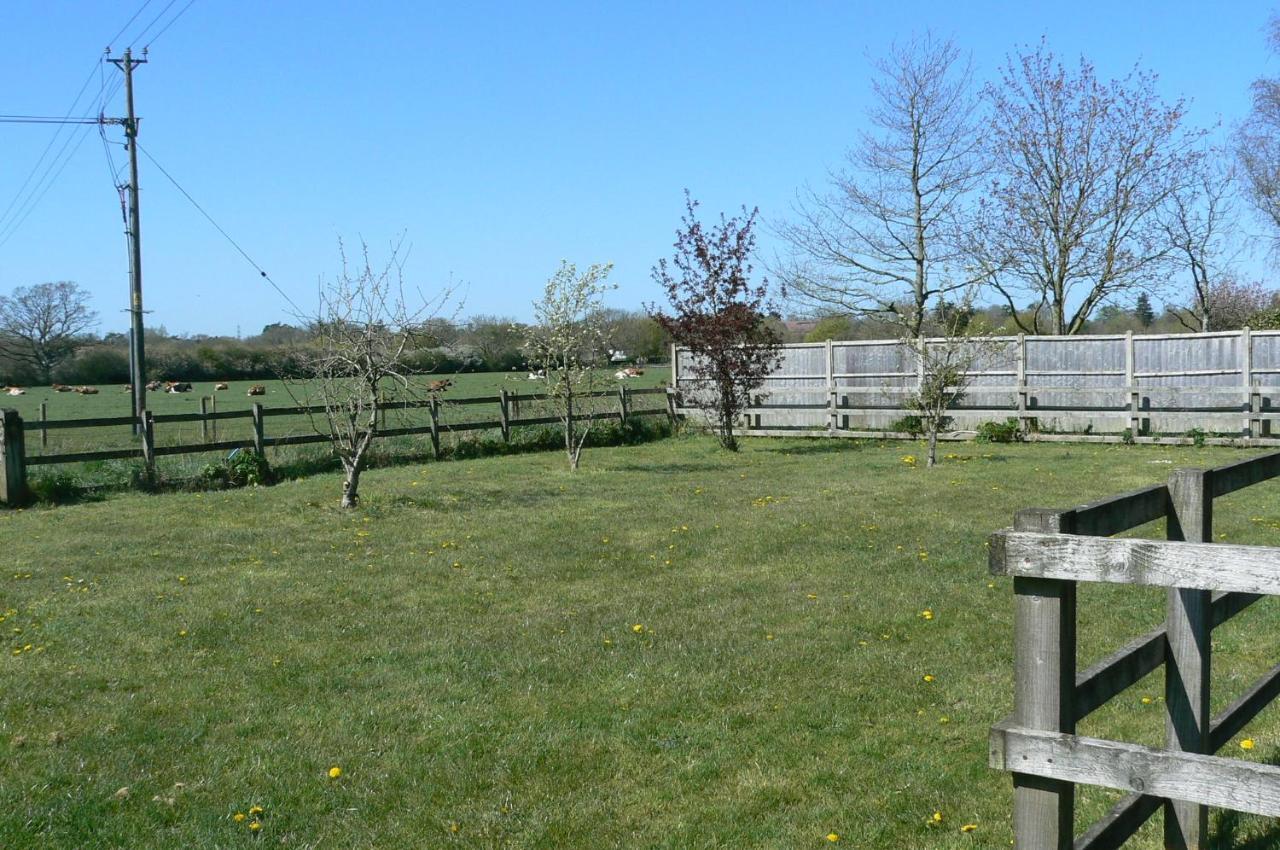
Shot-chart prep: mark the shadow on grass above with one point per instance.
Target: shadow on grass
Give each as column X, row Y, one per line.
column 817, row 446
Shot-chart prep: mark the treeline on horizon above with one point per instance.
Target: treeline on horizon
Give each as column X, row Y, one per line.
column 479, row 344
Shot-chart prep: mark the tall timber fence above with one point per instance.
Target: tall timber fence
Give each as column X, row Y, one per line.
column 1047, row 552
column 501, row 413
column 1092, row 387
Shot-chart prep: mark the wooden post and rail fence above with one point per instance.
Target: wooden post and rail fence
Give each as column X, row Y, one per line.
column 1047, row 552
column 15, row 461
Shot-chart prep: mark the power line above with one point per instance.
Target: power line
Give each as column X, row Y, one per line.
column 172, row 21
column 44, row 119
column 128, row 23
column 35, row 168
column 17, row 220
column 219, row 228
column 137, row 38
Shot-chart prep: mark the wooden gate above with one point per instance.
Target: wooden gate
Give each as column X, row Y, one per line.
column 1047, row 552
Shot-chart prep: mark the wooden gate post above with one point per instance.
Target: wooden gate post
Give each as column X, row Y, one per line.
column 1187, row 666
column 149, row 443
column 504, row 414
column 434, row 410
column 623, row 405
column 1044, row 689
column 259, row 437
column 44, row 432
column 13, row 459
column 204, row 418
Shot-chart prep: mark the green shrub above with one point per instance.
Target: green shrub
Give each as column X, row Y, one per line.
column 54, row 488
column 912, row 425
column 999, row 432
column 1197, row 436
column 244, row 468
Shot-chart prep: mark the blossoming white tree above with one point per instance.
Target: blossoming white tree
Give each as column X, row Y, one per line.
column 566, row 340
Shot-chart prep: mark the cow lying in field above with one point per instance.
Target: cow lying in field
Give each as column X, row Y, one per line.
column 257, row 389
column 154, row 386
column 61, row 388
column 220, row 386
column 14, row 391
column 87, row 390
column 629, row 372
column 439, row 386
column 177, row 387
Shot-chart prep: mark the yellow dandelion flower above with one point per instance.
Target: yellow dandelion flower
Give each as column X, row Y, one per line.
column 768, row 637
column 833, row 837
column 969, row 827
column 254, row 826
column 937, row 817
column 1146, row 700
column 455, row 827
column 182, row 632
column 1246, row 744
column 926, row 614
column 638, row 628
column 928, row 677
column 255, row 810
column 335, row 772
column 238, row 817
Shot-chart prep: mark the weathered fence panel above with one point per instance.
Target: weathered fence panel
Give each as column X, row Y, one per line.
column 1222, row 383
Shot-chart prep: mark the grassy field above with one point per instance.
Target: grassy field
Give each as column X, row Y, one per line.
column 675, row 647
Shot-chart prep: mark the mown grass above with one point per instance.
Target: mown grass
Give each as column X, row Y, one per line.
column 675, row 647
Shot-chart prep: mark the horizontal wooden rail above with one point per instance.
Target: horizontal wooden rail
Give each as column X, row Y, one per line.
column 163, row 418
column 1206, row 780
column 1199, row 566
column 199, row 448
column 83, row 457
column 95, row 422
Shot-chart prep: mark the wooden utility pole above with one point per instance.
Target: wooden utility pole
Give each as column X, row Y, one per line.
column 136, row 349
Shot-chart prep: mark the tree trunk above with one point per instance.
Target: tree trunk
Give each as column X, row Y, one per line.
column 350, row 489
column 932, row 458
column 568, row 434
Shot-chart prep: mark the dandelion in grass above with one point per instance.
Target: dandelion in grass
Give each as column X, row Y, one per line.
column 936, row 817
column 833, row 837
column 969, row 827
column 335, row 772
column 455, row 827
column 238, row 817
column 1146, row 700
column 928, row 677
column 638, row 628
column 254, row 826
column 1246, row 744
column 926, row 614
column 255, row 810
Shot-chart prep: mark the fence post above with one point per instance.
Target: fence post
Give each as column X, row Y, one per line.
column 504, row 414
column 1246, row 380
column 434, row 410
column 259, row 438
column 833, row 421
column 213, row 408
column 204, row 418
column 1131, row 385
column 1188, row 627
column 13, row 459
column 671, row 405
column 623, row 406
column 149, row 443
column 1044, row 689
column 1022, row 383
column 382, row 409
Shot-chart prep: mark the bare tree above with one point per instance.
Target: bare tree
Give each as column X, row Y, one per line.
column 364, row 329
column 719, row 316
column 1198, row 221
column 45, row 324
column 1083, row 167
column 567, row 341
column 1257, row 142
column 886, row 237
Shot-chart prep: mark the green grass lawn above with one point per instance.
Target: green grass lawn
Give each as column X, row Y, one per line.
column 674, row 647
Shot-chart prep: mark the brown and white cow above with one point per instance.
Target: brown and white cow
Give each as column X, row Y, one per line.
column 257, row 389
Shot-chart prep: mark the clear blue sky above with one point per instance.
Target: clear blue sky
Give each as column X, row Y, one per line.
column 501, row 137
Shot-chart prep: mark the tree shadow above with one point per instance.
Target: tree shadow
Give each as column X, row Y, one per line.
column 817, row 446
